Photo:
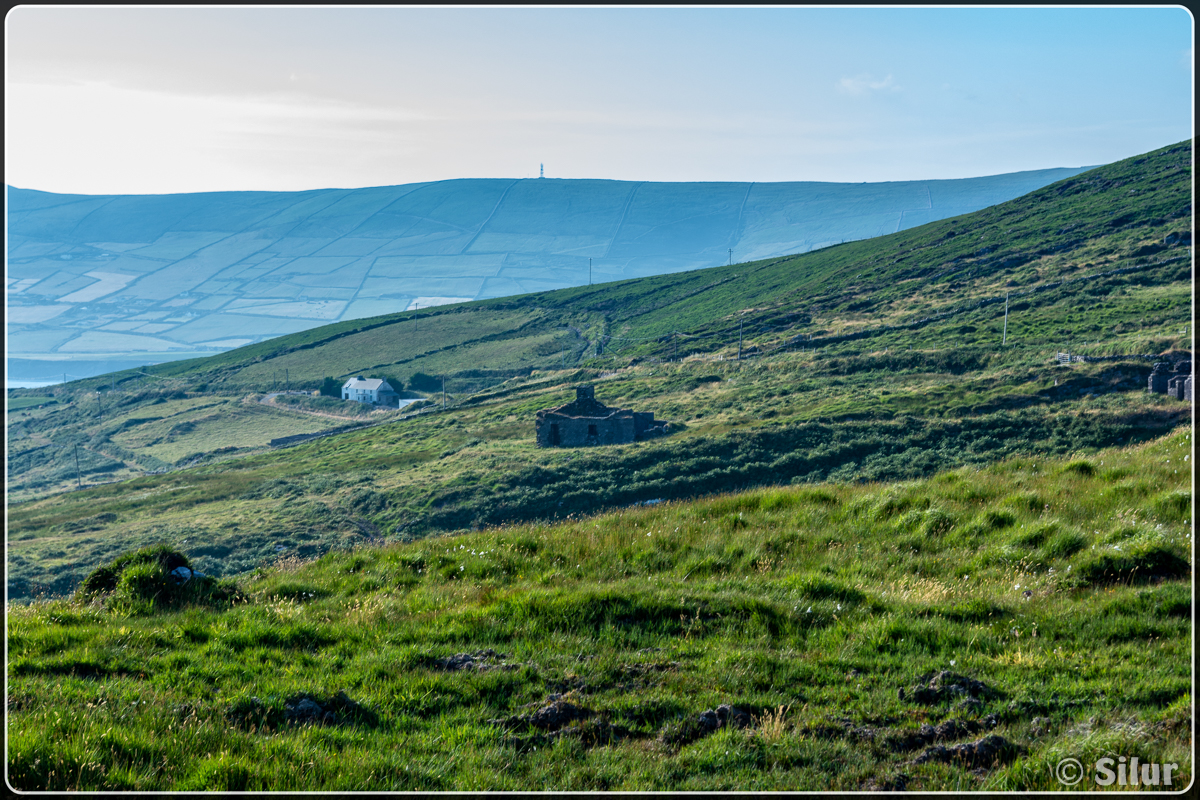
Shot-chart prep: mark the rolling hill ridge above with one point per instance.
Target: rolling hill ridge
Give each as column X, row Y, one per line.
column 105, row 282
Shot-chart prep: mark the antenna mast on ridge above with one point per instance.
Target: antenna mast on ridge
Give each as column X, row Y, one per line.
column 541, row 170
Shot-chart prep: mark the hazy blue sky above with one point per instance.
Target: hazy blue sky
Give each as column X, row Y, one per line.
column 142, row 100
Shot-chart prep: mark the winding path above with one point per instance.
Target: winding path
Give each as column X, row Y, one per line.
column 269, row 400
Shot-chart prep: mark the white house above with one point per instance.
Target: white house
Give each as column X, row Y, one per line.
column 376, row 391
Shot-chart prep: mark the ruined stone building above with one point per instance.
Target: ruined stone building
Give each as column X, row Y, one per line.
column 1176, row 383
column 1157, row 382
column 586, row 421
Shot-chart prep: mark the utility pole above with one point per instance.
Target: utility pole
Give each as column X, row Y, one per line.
column 287, row 376
column 443, row 393
column 78, row 479
column 1005, row 339
column 675, row 341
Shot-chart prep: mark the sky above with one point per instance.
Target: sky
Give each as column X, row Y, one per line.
column 139, row 100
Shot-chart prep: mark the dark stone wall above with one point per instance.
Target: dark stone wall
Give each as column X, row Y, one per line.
column 586, row 421
column 583, row 431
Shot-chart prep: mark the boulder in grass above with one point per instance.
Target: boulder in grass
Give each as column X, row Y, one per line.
column 184, row 574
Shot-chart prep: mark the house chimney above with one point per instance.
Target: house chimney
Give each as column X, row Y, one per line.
column 585, row 393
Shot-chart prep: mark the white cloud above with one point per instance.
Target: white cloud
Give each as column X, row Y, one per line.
column 863, row 84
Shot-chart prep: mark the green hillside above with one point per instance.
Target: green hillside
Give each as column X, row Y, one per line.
column 875, row 360
column 964, row 632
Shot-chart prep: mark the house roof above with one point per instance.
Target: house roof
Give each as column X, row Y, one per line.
column 370, row 384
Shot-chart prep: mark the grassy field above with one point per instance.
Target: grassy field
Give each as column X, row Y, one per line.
column 18, row 403
column 119, row 436
column 875, row 635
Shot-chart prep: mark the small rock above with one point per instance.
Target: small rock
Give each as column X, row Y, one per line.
column 557, row 714
column 1039, row 726
column 733, row 717
column 895, row 783
column 480, row 661
column 184, row 574
column 305, row 710
column 969, row 704
column 709, row 720
column 937, row 687
column 983, row 753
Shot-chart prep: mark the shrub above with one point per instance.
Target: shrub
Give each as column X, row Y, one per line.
column 996, row 520
column 1137, row 566
column 331, row 387
column 1173, row 506
column 1025, row 501
column 1065, row 544
column 814, row 588
column 1081, row 467
column 937, row 522
column 140, row 582
column 424, row 383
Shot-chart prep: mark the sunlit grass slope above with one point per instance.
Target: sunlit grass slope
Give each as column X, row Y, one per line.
column 1056, row 591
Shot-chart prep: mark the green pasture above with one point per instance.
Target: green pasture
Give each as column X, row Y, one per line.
column 20, row 403
column 1058, row 587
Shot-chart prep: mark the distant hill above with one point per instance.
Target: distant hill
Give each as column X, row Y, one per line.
column 99, row 283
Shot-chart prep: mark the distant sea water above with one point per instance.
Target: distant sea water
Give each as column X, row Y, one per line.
column 15, row 384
